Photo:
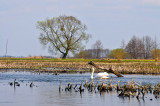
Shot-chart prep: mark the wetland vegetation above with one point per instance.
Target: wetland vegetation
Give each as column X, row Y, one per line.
column 135, row 66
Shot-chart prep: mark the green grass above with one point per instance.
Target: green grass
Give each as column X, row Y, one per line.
column 76, row 60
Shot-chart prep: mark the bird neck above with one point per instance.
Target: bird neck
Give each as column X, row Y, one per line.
column 92, row 72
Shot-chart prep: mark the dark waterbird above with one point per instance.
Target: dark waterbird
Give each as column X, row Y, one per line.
column 10, row 83
column 14, row 83
column 56, row 73
column 31, row 84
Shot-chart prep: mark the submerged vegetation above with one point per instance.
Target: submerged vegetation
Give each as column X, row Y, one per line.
column 130, row 89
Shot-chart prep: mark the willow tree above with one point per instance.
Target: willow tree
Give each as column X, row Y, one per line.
column 156, row 54
column 63, row 34
column 118, row 54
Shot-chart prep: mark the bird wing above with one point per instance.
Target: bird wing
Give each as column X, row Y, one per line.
column 102, row 74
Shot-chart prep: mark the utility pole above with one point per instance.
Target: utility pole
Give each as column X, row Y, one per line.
column 6, row 48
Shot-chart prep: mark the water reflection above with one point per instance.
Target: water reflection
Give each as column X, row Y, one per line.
column 46, row 92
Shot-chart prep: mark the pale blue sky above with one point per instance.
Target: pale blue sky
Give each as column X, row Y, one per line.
column 110, row 21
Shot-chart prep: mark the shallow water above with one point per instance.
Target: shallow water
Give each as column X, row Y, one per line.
column 46, row 93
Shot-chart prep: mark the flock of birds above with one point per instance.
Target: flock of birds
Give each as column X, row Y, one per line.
column 130, row 89
column 15, row 83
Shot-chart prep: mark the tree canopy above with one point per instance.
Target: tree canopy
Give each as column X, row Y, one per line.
column 156, row 54
column 140, row 47
column 63, row 34
column 97, row 48
column 82, row 54
column 118, row 54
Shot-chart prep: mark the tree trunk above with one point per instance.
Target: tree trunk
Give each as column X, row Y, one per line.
column 110, row 70
column 64, row 55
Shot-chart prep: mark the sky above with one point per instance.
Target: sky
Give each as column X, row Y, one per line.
column 109, row 21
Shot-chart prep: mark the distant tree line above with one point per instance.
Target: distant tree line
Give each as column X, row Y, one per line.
column 137, row 48
column 96, row 51
column 142, row 48
column 92, row 53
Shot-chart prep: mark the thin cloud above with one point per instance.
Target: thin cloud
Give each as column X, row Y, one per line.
column 51, row 0
column 154, row 2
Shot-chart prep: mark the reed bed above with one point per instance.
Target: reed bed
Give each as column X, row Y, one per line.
column 80, row 66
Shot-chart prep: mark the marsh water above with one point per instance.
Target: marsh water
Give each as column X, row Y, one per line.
column 46, row 90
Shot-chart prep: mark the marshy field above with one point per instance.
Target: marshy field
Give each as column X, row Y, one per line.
column 58, row 82
column 81, row 65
